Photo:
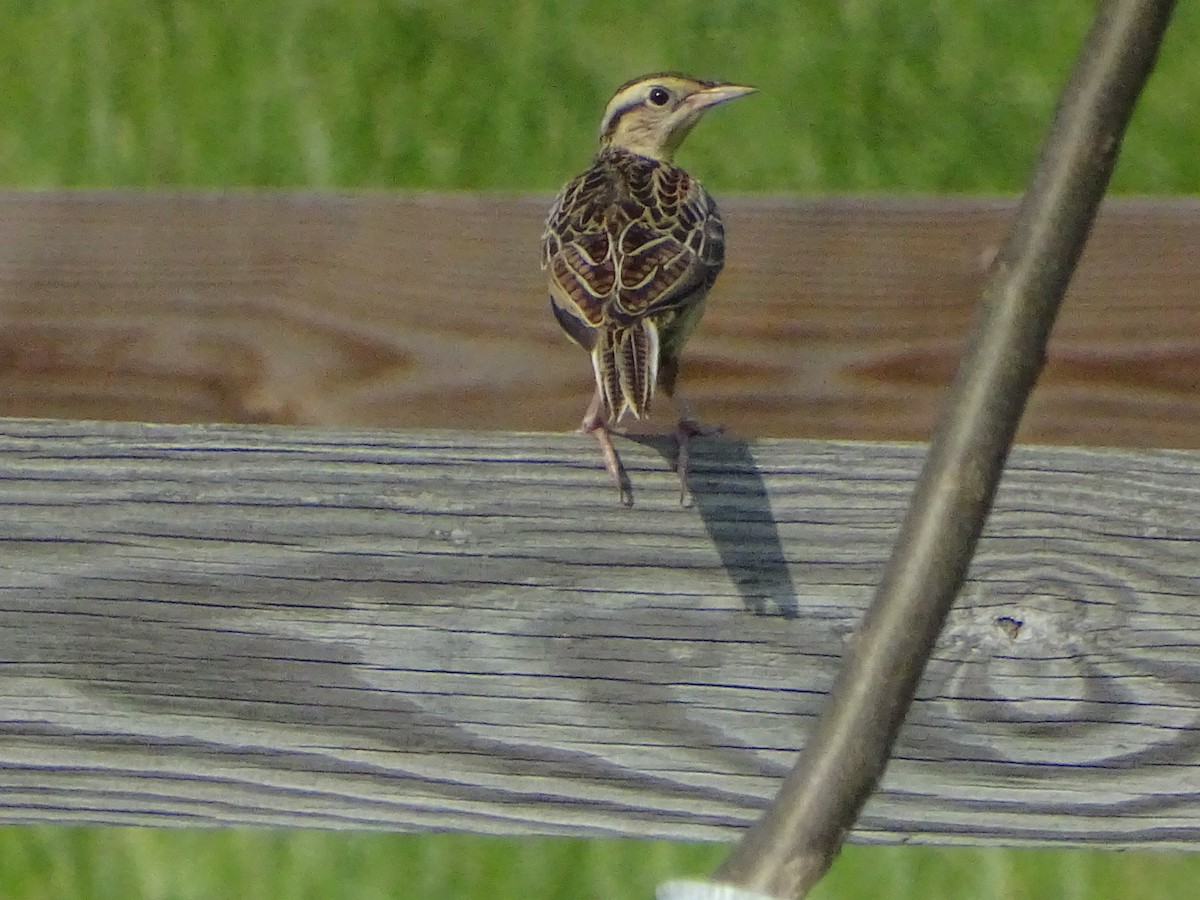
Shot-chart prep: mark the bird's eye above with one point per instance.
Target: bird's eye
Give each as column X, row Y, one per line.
column 659, row 96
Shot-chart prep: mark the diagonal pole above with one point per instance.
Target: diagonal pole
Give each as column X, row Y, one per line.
column 796, row 840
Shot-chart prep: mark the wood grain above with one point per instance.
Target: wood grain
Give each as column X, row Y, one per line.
column 835, row 318
column 438, row 630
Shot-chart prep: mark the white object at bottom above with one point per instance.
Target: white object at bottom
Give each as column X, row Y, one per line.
column 705, row 890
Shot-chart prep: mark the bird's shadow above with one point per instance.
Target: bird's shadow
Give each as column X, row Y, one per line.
column 728, row 491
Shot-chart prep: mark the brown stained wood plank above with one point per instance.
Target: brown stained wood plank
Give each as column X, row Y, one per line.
column 207, row 625
column 835, row 318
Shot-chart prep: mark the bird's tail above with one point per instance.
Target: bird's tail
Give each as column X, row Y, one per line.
column 626, row 365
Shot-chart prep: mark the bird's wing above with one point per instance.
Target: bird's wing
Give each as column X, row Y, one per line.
column 577, row 255
column 628, row 239
column 671, row 245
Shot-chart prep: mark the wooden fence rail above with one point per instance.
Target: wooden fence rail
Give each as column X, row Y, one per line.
column 835, row 318
column 211, row 625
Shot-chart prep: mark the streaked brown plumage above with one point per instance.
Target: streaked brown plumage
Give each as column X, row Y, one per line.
column 630, row 250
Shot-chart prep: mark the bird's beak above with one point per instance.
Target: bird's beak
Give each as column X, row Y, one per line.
column 720, row 93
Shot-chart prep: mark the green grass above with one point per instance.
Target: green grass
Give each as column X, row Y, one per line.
column 145, row 864
column 879, row 96
column 857, row 96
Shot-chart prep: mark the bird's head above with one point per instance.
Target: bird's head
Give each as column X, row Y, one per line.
column 652, row 115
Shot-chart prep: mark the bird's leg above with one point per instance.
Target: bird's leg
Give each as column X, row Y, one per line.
column 595, row 422
column 687, row 428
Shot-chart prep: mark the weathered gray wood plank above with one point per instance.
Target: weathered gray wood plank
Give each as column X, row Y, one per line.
column 204, row 625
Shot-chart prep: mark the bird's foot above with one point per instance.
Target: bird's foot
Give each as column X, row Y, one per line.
column 595, row 424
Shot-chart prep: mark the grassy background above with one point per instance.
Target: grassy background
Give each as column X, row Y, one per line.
column 132, row 863
column 857, row 96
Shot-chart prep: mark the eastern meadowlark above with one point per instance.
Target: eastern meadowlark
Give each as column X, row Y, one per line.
column 631, row 248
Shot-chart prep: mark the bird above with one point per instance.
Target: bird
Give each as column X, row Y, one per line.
column 630, row 250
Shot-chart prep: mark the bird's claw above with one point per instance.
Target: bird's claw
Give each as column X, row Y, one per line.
column 593, row 424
